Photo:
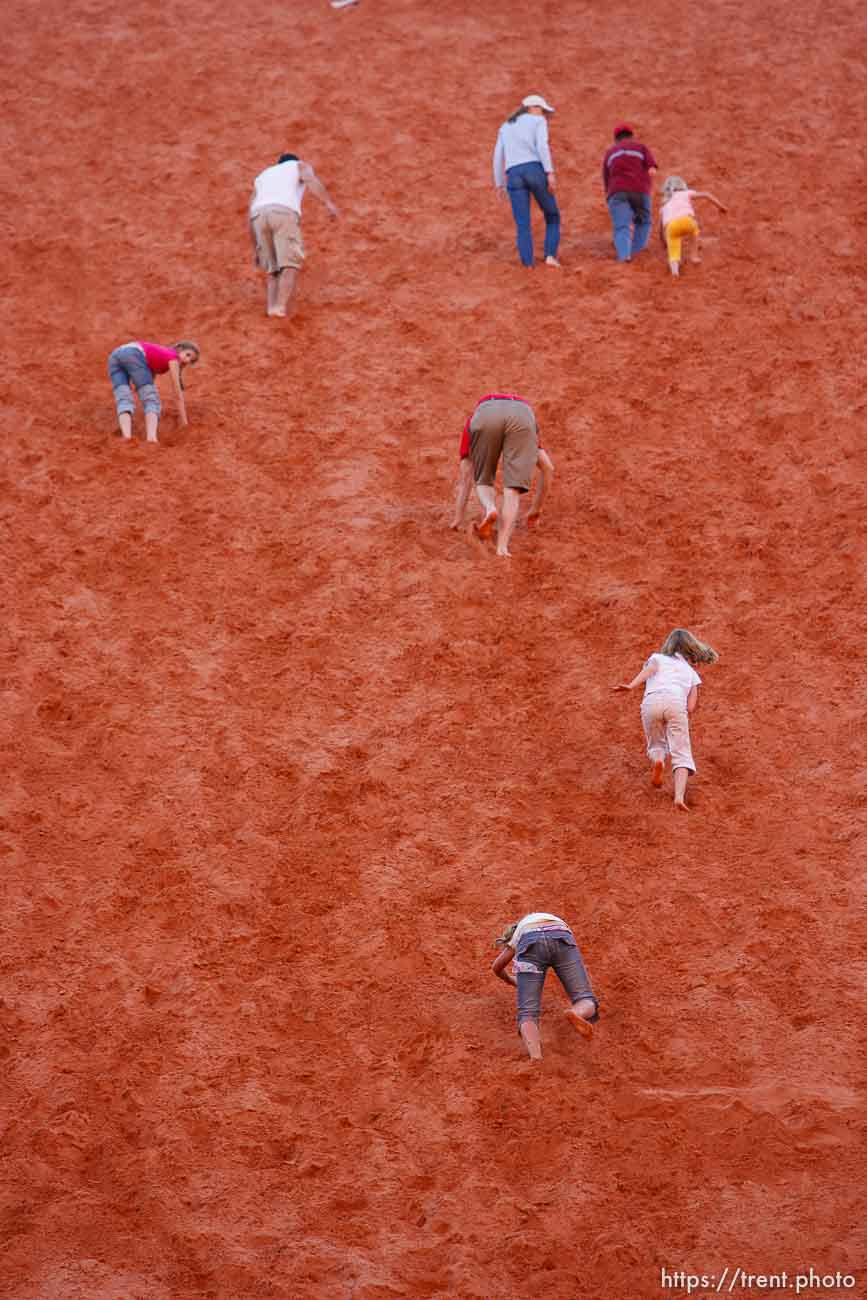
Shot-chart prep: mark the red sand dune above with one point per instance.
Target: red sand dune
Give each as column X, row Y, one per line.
column 283, row 753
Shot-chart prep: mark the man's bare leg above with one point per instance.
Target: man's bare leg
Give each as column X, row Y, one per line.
column 511, row 502
column 125, row 423
column 488, row 497
column 681, row 776
column 286, row 281
column 271, row 291
column 695, row 246
column 579, row 1016
column 658, row 771
column 152, row 420
column 530, row 1033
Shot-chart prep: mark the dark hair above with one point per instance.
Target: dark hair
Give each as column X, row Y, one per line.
column 288, row 157
column 519, row 112
column 622, row 135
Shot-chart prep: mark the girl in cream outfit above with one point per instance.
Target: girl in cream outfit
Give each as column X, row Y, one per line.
column 677, row 220
column 670, row 695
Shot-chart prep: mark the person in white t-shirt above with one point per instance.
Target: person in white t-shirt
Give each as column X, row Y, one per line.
column 539, row 941
column 275, row 225
column 670, row 695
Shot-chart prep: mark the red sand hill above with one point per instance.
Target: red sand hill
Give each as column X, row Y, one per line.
column 283, row 753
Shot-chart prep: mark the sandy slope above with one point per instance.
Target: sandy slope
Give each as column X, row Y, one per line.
column 284, row 753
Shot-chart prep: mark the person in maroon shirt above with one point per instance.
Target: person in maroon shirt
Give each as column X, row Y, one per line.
column 628, row 169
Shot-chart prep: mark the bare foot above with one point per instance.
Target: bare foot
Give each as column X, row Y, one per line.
column 584, row 1027
column 658, row 770
column 680, row 805
column 486, row 527
column 506, row 555
column 275, row 311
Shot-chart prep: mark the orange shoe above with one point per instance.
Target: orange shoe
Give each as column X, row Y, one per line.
column 486, row 527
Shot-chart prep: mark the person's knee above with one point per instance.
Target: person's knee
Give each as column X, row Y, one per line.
column 150, row 399
column 123, row 399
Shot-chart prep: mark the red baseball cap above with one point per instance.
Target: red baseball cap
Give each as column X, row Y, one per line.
column 620, row 127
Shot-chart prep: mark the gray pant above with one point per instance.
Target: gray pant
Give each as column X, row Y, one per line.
column 126, row 367
column 537, row 953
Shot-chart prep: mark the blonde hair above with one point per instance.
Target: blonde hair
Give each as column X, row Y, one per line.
column 680, row 641
column 673, row 183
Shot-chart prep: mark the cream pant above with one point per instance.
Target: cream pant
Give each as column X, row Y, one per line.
column 666, row 728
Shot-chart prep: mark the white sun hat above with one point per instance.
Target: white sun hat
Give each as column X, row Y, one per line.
column 536, row 101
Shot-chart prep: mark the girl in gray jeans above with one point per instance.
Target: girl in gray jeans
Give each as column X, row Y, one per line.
column 133, row 366
column 538, row 941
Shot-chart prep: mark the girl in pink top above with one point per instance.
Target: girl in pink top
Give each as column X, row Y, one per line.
column 677, row 219
column 133, row 366
column 670, row 695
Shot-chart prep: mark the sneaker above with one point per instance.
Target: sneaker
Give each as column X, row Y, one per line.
column 551, row 261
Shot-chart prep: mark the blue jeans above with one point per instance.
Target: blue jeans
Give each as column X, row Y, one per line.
column 531, row 966
column 127, row 368
column 522, row 181
column 629, row 208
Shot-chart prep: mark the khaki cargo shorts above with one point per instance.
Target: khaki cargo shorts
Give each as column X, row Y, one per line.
column 278, row 239
column 504, row 428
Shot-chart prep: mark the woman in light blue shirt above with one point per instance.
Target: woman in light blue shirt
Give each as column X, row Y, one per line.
column 523, row 167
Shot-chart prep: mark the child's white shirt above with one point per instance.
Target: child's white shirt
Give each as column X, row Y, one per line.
column 673, row 675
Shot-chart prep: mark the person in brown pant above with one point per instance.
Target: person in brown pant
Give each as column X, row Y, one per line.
column 503, row 426
column 275, row 225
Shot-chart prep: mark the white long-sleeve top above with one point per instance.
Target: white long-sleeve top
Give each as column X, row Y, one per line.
column 522, row 141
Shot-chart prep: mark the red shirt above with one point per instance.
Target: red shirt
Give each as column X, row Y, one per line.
column 488, row 397
column 157, row 357
column 626, row 167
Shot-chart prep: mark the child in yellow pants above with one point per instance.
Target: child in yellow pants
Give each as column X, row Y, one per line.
column 677, row 220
